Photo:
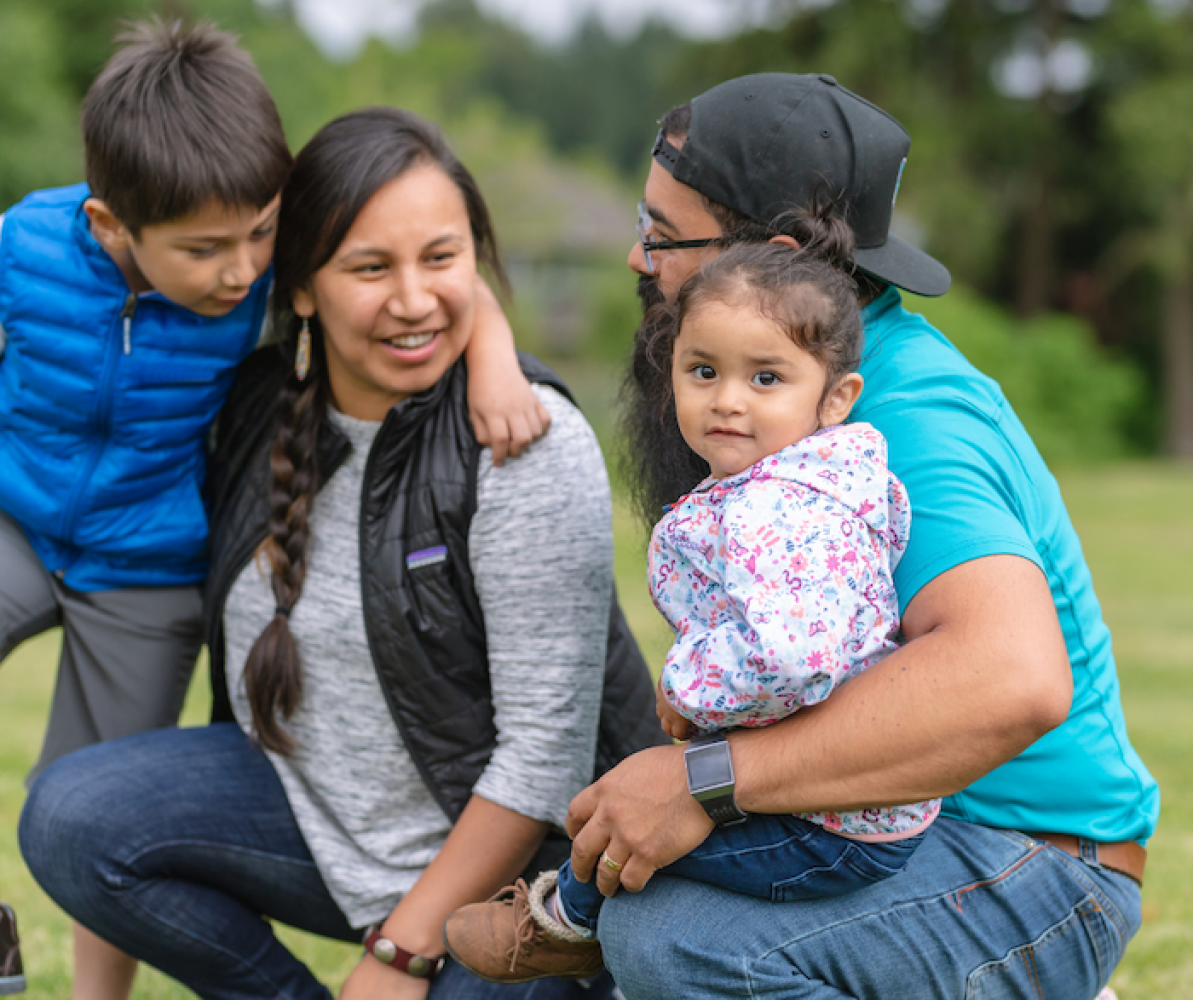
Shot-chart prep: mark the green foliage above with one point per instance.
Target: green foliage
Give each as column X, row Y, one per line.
column 1077, row 403
column 39, row 144
column 1154, row 123
column 1081, row 189
column 614, row 311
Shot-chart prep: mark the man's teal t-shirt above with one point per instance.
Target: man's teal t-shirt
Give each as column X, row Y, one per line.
column 978, row 487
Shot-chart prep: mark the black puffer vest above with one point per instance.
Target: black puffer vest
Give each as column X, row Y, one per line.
column 424, row 626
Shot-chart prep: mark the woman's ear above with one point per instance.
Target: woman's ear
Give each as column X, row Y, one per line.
column 304, row 303
column 109, row 232
column 840, row 400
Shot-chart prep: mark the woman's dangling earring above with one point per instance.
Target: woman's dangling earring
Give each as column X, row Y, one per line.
column 302, row 357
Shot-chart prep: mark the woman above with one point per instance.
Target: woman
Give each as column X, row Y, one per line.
column 415, row 638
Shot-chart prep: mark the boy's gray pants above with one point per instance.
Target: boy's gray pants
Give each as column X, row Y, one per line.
column 127, row 655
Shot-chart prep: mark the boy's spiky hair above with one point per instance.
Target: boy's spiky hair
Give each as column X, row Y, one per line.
column 180, row 118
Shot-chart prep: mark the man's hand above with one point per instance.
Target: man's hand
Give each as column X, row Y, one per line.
column 373, row 980
column 641, row 815
column 674, row 724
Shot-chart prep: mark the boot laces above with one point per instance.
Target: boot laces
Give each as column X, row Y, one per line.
column 526, row 929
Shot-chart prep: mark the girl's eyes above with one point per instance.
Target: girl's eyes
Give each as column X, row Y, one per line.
column 766, row 378
column 704, row 372
column 201, row 253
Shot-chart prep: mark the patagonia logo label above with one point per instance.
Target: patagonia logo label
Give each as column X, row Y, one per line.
column 426, row 557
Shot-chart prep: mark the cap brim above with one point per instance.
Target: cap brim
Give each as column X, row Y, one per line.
column 904, row 265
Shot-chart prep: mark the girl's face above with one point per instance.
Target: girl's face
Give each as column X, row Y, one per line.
column 396, row 300
column 745, row 390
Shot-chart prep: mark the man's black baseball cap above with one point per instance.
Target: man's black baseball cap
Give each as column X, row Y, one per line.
column 765, row 144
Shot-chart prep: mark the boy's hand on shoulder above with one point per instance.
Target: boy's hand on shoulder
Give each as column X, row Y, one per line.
column 506, row 413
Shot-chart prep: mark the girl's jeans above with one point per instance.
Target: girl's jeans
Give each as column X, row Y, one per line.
column 174, row 844
column 781, row 858
column 977, row 914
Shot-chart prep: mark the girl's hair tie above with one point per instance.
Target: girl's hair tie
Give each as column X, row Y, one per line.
column 284, row 612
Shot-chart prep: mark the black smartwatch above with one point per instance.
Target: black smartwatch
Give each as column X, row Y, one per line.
column 710, row 778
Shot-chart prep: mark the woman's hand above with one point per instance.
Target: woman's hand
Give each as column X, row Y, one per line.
column 674, row 724
column 641, row 815
column 373, row 980
column 506, row 414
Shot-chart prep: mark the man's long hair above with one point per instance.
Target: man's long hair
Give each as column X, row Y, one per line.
column 654, row 459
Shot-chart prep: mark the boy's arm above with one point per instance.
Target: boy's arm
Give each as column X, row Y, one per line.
column 506, row 414
column 780, row 645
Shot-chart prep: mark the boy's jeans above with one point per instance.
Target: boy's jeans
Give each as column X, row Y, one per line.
column 781, row 858
column 978, row 914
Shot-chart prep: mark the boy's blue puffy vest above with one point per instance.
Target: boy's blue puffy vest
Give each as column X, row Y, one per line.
column 106, row 400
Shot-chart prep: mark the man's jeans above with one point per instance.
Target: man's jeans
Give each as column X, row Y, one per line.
column 781, row 858
column 174, row 844
column 978, row 914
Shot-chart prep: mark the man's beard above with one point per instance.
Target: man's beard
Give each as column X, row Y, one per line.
column 649, row 293
column 655, row 459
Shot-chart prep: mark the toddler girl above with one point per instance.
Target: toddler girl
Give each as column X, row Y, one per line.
column 775, row 573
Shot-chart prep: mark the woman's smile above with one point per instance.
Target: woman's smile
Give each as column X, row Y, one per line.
column 412, row 348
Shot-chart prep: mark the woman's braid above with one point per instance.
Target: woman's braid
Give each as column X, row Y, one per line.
column 273, row 671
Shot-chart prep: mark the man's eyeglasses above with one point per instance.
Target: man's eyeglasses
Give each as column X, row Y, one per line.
column 645, row 222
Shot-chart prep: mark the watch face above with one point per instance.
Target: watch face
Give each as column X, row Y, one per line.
column 709, row 767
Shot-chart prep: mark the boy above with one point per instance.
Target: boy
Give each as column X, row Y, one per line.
column 125, row 306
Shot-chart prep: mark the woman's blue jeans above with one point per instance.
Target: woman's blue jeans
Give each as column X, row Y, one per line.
column 780, row 858
column 977, row 914
column 173, row 845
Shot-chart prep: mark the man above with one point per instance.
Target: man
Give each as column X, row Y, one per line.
column 1004, row 698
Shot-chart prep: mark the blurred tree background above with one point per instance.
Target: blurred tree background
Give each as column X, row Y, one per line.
column 1051, row 170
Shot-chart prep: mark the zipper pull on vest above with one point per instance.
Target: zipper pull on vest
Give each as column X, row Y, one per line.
column 130, row 307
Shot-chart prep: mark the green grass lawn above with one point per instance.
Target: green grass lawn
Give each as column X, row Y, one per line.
column 1136, row 523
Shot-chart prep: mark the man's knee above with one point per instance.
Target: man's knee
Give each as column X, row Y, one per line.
column 634, row 954
column 655, row 945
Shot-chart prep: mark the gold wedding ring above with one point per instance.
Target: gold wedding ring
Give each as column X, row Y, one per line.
column 608, row 862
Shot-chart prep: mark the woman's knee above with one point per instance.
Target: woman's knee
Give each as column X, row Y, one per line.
column 94, row 807
column 63, row 823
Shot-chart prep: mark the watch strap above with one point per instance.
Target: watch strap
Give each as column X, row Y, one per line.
column 723, row 810
column 384, row 950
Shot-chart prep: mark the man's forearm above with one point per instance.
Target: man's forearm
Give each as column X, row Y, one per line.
column 985, row 676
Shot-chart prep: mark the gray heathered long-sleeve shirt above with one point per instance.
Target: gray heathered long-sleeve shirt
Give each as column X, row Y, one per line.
column 540, row 548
